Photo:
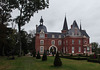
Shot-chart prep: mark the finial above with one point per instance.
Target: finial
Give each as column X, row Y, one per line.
column 80, row 25
column 41, row 21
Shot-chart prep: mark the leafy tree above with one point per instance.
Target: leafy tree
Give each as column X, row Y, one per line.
column 57, row 60
column 38, row 56
column 44, row 57
column 94, row 47
column 27, row 8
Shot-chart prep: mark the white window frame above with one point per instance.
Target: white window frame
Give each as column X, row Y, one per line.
column 53, row 36
column 42, row 35
column 72, row 41
column 59, row 36
column 53, row 42
column 41, row 42
column 59, row 42
column 41, row 49
column 79, row 41
column 73, row 49
column 79, row 49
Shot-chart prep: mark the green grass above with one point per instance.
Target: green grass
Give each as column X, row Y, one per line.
column 30, row 63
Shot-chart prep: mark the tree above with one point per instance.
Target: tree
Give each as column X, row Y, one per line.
column 94, row 47
column 3, row 37
column 44, row 57
column 27, row 8
column 57, row 60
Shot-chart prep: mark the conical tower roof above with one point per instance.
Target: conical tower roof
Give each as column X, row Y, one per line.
column 65, row 27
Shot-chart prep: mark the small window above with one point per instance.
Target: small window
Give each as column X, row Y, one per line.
column 42, row 35
column 59, row 36
column 72, row 41
column 53, row 36
column 59, row 42
column 53, row 42
column 41, row 42
column 79, row 41
column 88, row 48
column 79, row 50
column 41, row 48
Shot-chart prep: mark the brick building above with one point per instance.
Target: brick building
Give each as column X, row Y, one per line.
column 73, row 40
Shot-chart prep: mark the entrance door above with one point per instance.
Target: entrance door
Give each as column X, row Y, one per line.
column 72, row 49
column 53, row 50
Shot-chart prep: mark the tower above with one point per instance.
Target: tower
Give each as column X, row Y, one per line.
column 65, row 27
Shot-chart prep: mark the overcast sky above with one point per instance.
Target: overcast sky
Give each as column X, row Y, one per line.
column 88, row 11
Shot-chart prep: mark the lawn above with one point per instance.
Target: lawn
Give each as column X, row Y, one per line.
column 30, row 63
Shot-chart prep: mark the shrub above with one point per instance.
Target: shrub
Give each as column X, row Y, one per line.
column 38, row 56
column 57, row 60
column 44, row 57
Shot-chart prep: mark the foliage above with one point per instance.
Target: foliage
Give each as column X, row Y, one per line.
column 57, row 60
column 94, row 47
column 38, row 56
column 44, row 57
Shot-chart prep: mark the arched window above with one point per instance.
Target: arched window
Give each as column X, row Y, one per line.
column 41, row 42
column 53, row 42
column 41, row 48
column 59, row 42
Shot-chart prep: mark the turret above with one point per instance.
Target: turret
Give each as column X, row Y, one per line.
column 65, row 27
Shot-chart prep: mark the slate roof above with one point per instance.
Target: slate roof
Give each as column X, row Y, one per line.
column 84, row 33
column 49, row 34
column 41, row 27
column 65, row 27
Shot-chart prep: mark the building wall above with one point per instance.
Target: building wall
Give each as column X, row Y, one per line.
column 64, row 47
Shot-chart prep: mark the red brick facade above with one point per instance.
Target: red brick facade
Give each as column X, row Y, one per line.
column 62, row 42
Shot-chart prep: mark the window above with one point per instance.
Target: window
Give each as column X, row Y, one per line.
column 59, row 42
column 42, row 35
column 79, row 50
column 53, row 36
column 41, row 42
column 72, row 41
column 41, row 48
column 88, row 49
column 72, row 49
column 59, row 36
column 79, row 41
column 52, row 42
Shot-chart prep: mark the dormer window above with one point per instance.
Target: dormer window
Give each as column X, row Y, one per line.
column 42, row 35
column 53, row 36
column 59, row 36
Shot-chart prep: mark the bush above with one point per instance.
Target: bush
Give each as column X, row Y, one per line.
column 38, row 56
column 44, row 57
column 57, row 60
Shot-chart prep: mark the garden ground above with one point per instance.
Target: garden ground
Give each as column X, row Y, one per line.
column 30, row 63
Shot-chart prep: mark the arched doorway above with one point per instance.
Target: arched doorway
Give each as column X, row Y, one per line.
column 52, row 49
